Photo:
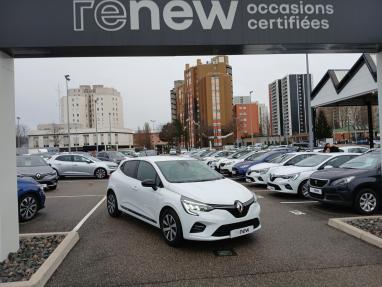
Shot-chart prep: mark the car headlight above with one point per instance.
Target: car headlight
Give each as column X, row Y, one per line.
column 254, row 198
column 53, row 173
column 192, row 206
column 261, row 171
column 291, row 176
column 342, row 181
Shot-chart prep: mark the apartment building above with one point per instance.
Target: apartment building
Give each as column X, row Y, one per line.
column 91, row 106
column 246, row 119
column 275, row 109
column 241, row 100
column 204, row 102
column 174, row 96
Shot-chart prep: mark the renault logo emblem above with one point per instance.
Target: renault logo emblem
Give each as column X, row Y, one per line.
column 239, row 206
column 38, row 176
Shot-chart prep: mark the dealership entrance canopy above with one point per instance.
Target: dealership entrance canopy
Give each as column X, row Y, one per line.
column 74, row 28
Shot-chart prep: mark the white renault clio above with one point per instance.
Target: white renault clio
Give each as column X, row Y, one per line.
column 184, row 198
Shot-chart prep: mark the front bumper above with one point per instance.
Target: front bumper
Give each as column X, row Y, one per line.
column 48, row 181
column 283, row 186
column 332, row 195
column 219, row 224
column 256, row 178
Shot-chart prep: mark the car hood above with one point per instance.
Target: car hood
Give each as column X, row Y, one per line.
column 222, row 191
column 245, row 164
column 285, row 170
column 337, row 173
column 32, row 171
column 263, row 165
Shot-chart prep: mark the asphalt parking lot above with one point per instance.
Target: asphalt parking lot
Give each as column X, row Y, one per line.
column 295, row 247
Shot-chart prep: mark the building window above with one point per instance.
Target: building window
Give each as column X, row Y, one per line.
column 35, row 142
column 86, row 139
column 116, row 138
column 45, row 141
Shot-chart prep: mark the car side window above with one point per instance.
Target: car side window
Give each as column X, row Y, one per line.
column 297, row 159
column 146, row 172
column 78, row 158
column 273, row 156
column 64, row 158
column 129, row 168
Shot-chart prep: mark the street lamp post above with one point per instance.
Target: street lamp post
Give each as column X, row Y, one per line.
column 152, row 133
column 250, row 96
column 96, row 122
column 310, row 114
column 18, row 132
column 67, row 78
column 110, row 130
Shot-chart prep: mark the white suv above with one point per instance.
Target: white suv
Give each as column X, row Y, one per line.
column 184, row 198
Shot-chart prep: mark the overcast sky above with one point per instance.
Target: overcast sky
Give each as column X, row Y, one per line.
column 145, row 83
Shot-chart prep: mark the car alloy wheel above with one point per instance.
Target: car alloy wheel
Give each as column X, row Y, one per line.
column 112, row 206
column 100, row 173
column 171, row 228
column 28, row 208
column 304, row 189
column 368, row 202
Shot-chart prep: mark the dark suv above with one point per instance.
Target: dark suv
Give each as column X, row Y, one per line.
column 356, row 183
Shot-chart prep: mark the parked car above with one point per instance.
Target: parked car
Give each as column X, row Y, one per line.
column 129, row 153
column 31, row 198
column 38, row 169
column 172, row 151
column 220, row 165
column 295, row 179
column 215, row 157
column 114, row 156
column 353, row 149
column 228, row 167
column 240, row 170
column 184, row 198
column 147, row 152
column 74, row 165
column 356, row 183
column 259, row 173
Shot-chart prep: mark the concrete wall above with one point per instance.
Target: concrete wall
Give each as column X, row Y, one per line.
column 9, row 227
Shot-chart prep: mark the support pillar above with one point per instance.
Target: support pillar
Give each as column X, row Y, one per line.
column 370, row 124
column 379, row 72
column 9, row 225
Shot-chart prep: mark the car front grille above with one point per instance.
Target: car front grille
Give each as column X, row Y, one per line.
column 225, row 230
column 318, row 182
column 234, row 210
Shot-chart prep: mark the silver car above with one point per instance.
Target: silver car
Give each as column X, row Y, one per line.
column 81, row 165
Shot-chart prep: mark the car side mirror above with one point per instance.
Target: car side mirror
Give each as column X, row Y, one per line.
column 328, row 167
column 89, row 162
column 149, row 183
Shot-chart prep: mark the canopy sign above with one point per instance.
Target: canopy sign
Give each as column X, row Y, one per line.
column 109, row 27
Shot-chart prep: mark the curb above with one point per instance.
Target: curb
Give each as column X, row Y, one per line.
column 340, row 224
column 50, row 265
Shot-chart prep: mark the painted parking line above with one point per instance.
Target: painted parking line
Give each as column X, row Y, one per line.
column 75, row 196
column 298, row 202
column 297, row 212
column 83, row 220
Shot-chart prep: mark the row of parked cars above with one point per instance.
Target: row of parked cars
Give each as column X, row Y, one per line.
column 41, row 172
column 351, row 178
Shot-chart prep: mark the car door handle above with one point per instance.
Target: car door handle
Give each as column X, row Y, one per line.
column 135, row 187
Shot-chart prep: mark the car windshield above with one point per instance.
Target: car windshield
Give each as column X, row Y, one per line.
column 313, row 161
column 256, row 155
column 92, row 158
column 242, row 155
column 367, row 161
column 30, row 161
column 182, row 171
column 282, row 158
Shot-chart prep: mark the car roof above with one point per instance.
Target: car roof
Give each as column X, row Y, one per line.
column 159, row 158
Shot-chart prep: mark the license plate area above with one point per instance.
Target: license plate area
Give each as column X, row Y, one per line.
column 241, row 231
column 315, row 190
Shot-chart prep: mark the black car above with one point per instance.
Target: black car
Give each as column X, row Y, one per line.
column 38, row 169
column 356, row 183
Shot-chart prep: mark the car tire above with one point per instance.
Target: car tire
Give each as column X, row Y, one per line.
column 100, row 173
column 171, row 228
column 303, row 189
column 366, row 201
column 112, row 204
column 28, row 207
